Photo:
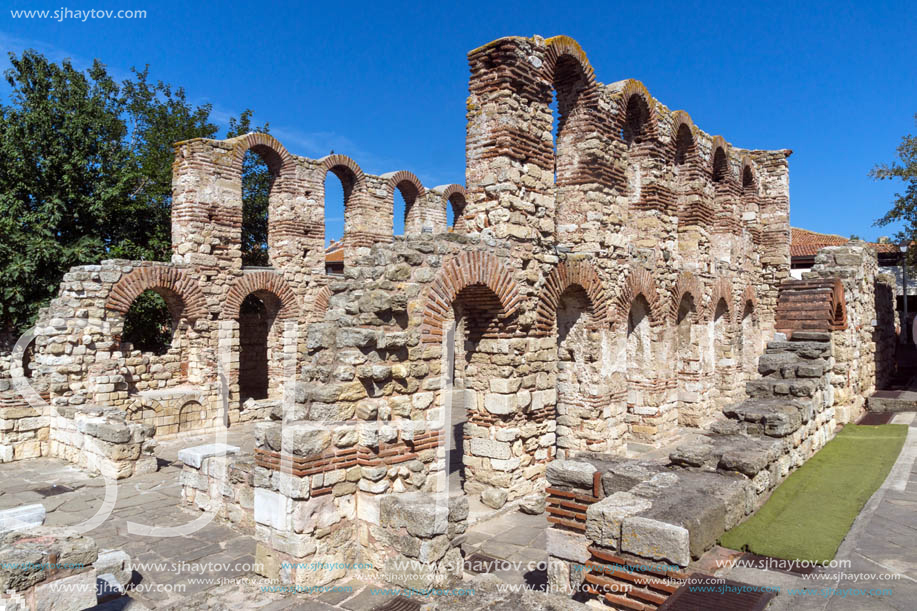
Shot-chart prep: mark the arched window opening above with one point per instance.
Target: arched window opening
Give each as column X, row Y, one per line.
column 339, row 185
column 257, row 179
column 259, row 344
column 404, row 213
column 338, row 194
column 684, row 144
column 720, row 165
column 455, row 212
column 399, row 212
column 28, row 360
column 636, row 120
column 150, row 323
column 568, row 85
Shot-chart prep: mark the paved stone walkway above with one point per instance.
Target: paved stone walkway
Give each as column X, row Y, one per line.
column 882, row 541
column 146, row 499
column 170, row 578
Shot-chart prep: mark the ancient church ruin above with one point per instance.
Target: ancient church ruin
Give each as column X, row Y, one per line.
column 606, row 288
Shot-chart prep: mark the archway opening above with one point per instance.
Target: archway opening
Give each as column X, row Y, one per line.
column 468, row 369
column 455, row 212
column 720, row 166
column 150, row 323
column 405, row 217
column 257, row 179
column 636, row 121
column 684, row 145
column 259, row 345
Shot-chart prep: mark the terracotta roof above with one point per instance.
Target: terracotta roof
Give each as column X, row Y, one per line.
column 805, row 243
column 335, row 256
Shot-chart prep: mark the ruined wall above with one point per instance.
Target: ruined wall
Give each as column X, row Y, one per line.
column 643, row 190
column 864, row 350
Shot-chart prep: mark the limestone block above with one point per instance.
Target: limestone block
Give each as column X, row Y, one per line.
column 570, row 473
column 195, row 456
column 71, row 593
column 604, row 518
column 304, row 439
column 116, row 563
column 494, row 498
column 657, row 540
column 499, row 404
column 271, row 509
column 420, row 514
column 490, row 448
column 22, row 517
column 567, row 545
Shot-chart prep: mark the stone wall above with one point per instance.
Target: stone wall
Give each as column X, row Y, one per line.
column 99, row 440
column 864, row 351
column 215, row 478
column 636, row 514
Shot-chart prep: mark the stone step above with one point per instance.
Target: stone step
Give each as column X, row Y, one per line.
column 892, row 401
column 771, row 417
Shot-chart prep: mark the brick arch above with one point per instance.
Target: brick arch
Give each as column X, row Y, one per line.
column 629, row 89
column 402, row 180
column 412, row 191
column 320, row 304
column 353, row 181
column 335, row 164
column 466, row 269
column 748, row 297
column 564, row 46
column 722, row 289
column 457, row 197
column 687, row 284
column 748, row 177
column 681, row 119
column 181, row 292
column 638, row 282
column 720, row 144
column 567, row 274
column 270, row 282
column 279, row 161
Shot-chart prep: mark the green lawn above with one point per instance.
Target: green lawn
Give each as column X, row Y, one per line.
column 809, row 514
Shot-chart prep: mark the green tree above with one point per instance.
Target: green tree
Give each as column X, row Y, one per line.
column 904, row 206
column 86, row 175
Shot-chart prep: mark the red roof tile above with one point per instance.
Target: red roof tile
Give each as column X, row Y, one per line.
column 805, row 243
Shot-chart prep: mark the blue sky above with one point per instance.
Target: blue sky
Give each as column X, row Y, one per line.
column 386, row 83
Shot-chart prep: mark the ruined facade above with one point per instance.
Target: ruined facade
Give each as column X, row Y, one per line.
column 603, row 284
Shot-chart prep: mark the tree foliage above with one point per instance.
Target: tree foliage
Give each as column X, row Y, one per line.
column 86, row 173
column 904, row 206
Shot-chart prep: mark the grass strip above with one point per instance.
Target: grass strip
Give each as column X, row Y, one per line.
column 810, row 513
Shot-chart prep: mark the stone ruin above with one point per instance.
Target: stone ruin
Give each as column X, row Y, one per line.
column 607, row 289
